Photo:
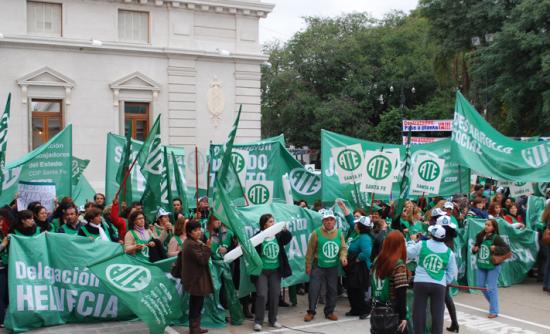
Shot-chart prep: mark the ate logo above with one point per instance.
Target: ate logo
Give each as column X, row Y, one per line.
column 330, row 249
column 379, row 167
column 128, row 277
column 349, row 160
column 432, row 263
column 304, row 182
column 484, row 252
column 429, row 170
column 271, row 250
column 258, row 194
column 238, row 161
column 155, row 159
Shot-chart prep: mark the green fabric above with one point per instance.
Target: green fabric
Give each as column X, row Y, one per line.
column 90, row 235
column 380, row 288
column 535, row 208
column 270, row 254
column 37, row 232
column 328, row 249
column 482, row 148
column 4, row 138
column 142, row 254
column 484, row 255
column 434, row 263
column 68, row 230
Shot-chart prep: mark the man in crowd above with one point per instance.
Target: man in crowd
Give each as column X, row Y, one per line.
column 72, row 224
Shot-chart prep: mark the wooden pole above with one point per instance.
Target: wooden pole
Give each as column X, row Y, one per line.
column 123, row 184
column 197, row 178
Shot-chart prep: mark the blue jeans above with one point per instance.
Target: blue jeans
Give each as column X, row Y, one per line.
column 488, row 279
column 546, row 270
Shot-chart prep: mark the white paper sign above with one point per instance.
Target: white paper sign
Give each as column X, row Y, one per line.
column 347, row 162
column 518, row 189
column 427, row 173
column 287, row 189
column 379, row 171
column 259, row 192
column 255, row 240
column 43, row 192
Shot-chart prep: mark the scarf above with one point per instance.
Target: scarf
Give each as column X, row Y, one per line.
column 102, row 233
column 141, row 231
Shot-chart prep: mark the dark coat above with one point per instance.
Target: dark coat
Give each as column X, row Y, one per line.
column 501, row 247
column 283, row 238
column 195, row 273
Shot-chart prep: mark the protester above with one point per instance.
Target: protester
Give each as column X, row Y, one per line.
column 495, row 210
column 195, row 274
column 163, row 228
column 58, row 216
column 545, row 224
column 359, row 264
column 275, row 268
column 325, row 246
column 436, row 268
column 176, row 243
column 478, row 210
column 513, row 218
column 72, row 224
column 25, row 225
column 390, row 278
column 488, row 242
column 139, row 239
column 99, row 200
column 94, row 230
column 40, row 215
column 177, row 206
column 113, row 215
column 302, row 203
column 379, row 231
column 3, row 267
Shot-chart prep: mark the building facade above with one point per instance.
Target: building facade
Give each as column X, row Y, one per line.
column 114, row 65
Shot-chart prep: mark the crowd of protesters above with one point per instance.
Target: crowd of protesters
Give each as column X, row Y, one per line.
column 386, row 256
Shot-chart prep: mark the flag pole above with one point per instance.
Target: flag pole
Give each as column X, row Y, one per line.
column 197, row 178
column 208, row 171
column 123, row 184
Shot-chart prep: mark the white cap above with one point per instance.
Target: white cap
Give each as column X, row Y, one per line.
column 81, row 208
column 162, row 212
column 327, row 213
column 437, row 231
column 437, row 212
column 365, row 221
column 445, row 221
column 448, row 205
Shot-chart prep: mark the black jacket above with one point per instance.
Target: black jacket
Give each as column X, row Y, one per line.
column 283, row 238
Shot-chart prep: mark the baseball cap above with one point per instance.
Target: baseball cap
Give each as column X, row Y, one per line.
column 162, row 212
column 448, row 205
column 445, row 221
column 437, row 212
column 365, row 221
column 327, row 213
column 437, row 231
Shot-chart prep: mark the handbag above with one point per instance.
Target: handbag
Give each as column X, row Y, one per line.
column 383, row 319
column 546, row 236
column 498, row 259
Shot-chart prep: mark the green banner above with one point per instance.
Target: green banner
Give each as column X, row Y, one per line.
column 51, row 162
column 144, row 287
column 268, row 160
column 49, row 283
column 523, row 243
column 535, row 207
column 4, row 138
column 351, row 152
column 83, row 192
column 482, row 148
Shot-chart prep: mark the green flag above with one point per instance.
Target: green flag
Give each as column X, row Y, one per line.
column 168, row 180
column 4, row 139
column 123, row 169
column 404, row 184
column 227, row 195
column 479, row 146
column 79, row 165
column 144, row 287
column 180, row 186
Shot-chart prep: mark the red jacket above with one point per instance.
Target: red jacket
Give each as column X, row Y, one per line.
column 119, row 222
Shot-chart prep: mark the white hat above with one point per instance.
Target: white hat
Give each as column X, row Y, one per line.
column 445, row 221
column 365, row 221
column 162, row 212
column 327, row 213
column 500, row 190
column 81, row 209
column 437, row 212
column 448, row 205
column 437, row 231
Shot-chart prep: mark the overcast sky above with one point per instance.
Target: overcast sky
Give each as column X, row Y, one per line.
column 286, row 17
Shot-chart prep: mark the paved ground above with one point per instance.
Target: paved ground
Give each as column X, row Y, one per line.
column 525, row 308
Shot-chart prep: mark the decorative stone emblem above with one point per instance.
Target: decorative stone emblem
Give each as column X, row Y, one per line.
column 216, row 101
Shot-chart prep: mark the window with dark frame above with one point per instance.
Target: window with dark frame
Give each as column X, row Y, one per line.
column 47, row 120
column 136, row 118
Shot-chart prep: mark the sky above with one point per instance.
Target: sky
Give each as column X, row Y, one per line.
column 286, row 17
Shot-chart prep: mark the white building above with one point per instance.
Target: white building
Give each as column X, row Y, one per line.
column 101, row 64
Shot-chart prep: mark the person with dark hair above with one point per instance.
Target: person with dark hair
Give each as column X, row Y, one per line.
column 94, row 230
column 176, row 243
column 41, row 218
column 302, row 203
column 32, row 205
column 3, row 268
column 513, row 218
column 489, row 242
column 72, row 224
column 275, row 268
column 177, row 206
column 359, row 264
column 195, row 273
column 25, row 225
column 57, row 218
column 478, row 210
column 99, row 200
column 390, row 278
column 139, row 238
column 379, row 232
column 436, row 268
column 163, row 228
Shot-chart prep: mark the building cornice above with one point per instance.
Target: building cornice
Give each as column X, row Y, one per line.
column 123, row 48
column 251, row 8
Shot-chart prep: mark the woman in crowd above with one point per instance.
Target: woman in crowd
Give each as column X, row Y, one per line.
column 495, row 210
column 195, row 273
column 41, row 218
column 488, row 242
column 163, row 228
column 176, row 243
column 94, row 230
column 139, row 239
column 545, row 224
column 275, row 268
column 390, row 278
column 359, row 262
column 379, row 232
column 478, row 209
column 436, row 268
column 513, row 217
column 25, row 225
column 4, row 242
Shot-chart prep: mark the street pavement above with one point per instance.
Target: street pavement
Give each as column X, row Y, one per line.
column 525, row 309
